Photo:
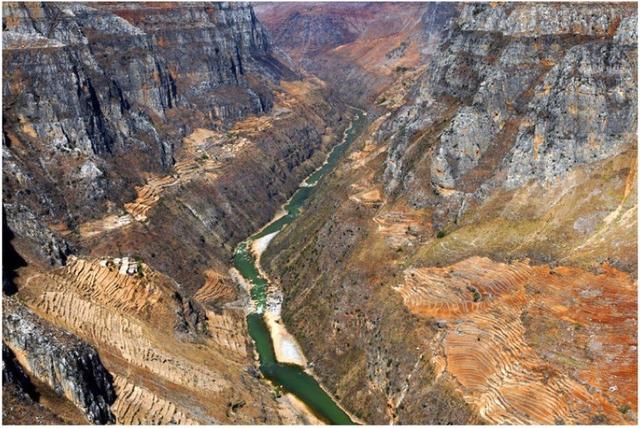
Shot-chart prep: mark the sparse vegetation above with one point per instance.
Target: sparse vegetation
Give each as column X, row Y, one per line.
column 139, row 272
column 624, row 409
column 277, row 391
column 599, row 420
column 432, row 203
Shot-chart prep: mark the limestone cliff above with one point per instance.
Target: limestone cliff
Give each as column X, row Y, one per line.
column 359, row 47
column 475, row 248
column 151, row 137
column 446, row 272
column 97, row 96
column 69, row 366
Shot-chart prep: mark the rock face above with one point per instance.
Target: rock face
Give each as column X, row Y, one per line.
column 53, row 249
column 496, row 186
column 98, row 95
column 560, row 80
column 584, row 118
column 19, row 396
column 68, row 365
column 475, row 248
column 359, row 47
column 12, row 372
column 224, row 185
column 119, row 118
column 158, row 135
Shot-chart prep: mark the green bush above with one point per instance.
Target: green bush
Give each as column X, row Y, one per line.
column 624, row 409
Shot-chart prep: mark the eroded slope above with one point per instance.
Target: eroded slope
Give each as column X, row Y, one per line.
column 360, row 47
column 474, row 259
column 122, row 147
column 171, row 360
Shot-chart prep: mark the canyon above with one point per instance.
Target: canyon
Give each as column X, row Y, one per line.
column 307, row 213
column 125, row 190
column 473, row 259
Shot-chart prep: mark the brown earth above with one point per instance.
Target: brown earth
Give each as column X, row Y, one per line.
column 360, row 47
column 529, row 344
column 479, row 313
column 517, row 305
column 160, row 377
column 174, row 360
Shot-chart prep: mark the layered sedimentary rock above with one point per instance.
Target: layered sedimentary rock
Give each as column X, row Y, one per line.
column 477, row 248
column 565, row 93
column 69, row 366
column 150, row 138
column 97, row 96
column 360, row 47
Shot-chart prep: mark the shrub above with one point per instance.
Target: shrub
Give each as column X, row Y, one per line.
column 624, row 409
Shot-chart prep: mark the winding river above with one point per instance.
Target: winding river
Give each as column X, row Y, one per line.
column 290, row 377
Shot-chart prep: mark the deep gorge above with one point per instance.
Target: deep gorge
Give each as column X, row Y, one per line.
column 469, row 243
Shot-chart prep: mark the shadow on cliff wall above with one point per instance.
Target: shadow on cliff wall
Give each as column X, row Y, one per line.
column 11, row 260
column 12, row 373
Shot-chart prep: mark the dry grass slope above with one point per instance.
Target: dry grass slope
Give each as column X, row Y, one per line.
column 529, row 344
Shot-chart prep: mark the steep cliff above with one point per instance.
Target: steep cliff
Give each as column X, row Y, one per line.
column 359, row 47
column 478, row 246
column 157, row 135
column 19, row 396
column 98, row 96
column 475, row 248
column 69, row 366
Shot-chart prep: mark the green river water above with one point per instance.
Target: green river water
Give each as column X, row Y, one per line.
column 290, row 377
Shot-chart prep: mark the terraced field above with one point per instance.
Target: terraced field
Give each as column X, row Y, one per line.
column 530, row 344
column 136, row 405
column 398, row 227
column 160, row 348
column 204, row 153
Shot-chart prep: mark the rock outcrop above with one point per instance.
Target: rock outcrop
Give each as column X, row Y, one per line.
column 68, row 365
column 19, row 396
column 559, row 82
column 97, row 95
column 153, row 137
column 476, row 247
column 496, row 198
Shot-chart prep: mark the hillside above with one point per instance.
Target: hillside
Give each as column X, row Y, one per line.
column 473, row 259
column 360, row 48
column 123, row 148
column 309, row 213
